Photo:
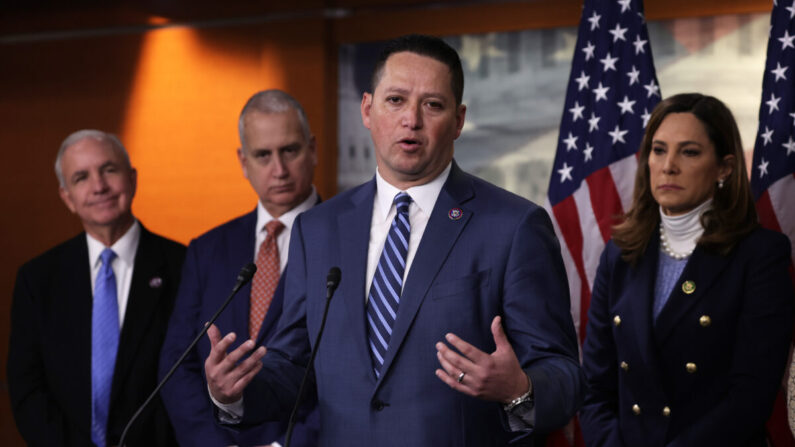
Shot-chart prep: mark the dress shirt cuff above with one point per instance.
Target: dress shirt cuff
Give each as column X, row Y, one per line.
column 522, row 418
column 228, row 413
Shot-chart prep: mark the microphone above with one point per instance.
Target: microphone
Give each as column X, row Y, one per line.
column 245, row 275
column 332, row 281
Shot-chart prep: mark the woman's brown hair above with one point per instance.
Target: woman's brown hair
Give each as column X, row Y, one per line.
column 732, row 214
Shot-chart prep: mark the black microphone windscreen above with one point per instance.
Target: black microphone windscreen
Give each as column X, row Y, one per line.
column 333, row 278
column 246, row 273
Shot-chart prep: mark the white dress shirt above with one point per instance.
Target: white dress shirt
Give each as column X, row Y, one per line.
column 125, row 248
column 423, row 198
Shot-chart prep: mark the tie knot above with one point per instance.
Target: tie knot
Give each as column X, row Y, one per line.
column 274, row 227
column 107, row 256
column 402, row 201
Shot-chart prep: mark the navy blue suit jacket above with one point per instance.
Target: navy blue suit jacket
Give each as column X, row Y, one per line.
column 733, row 329
column 500, row 257
column 212, row 264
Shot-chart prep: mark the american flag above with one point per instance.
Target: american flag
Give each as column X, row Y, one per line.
column 611, row 93
column 773, row 169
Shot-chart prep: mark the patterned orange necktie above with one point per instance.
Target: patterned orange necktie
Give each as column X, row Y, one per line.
column 265, row 280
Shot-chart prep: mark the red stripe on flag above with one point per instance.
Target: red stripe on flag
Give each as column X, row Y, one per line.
column 767, row 217
column 605, row 201
column 569, row 223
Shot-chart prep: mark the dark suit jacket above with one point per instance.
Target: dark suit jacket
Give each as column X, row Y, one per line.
column 211, row 267
column 500, row 257
column 734, row 329
column 49, row 359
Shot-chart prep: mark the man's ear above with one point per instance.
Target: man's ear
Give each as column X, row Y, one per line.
column 67, row 198
column 134, row 180
column 313, row 149
column 367, row 104
column 241, row 157
column 460, row 117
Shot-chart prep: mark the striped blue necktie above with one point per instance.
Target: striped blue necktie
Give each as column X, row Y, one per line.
column 384, row 298
column 104, row 344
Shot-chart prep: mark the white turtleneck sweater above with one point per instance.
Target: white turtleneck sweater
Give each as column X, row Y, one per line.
column 682, row 233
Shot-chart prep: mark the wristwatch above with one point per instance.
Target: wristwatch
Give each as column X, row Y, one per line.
column 526, row 397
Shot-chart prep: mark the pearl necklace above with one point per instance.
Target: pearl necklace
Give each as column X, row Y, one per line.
column 667, row 248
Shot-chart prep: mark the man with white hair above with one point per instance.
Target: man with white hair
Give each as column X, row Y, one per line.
column 89, row 315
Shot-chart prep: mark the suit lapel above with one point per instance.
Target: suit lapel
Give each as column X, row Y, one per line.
column 354, row 233
column 239, row 252
column 701, row 271
column 146, row 288
column 74, row 307
column 440, row 235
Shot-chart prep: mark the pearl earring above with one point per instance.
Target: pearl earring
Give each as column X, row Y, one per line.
column 720, row 183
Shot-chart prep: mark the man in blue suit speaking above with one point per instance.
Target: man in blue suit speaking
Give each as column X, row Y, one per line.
column 277, row 155
column 442, row 273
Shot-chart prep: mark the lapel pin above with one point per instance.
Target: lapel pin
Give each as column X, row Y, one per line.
column 156, row 282
column 455, row 213
column 688, row 287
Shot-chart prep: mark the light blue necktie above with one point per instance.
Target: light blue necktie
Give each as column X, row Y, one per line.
column 104, row 344
column 384, row 298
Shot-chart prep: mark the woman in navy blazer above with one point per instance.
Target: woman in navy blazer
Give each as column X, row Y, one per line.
column 691, row 311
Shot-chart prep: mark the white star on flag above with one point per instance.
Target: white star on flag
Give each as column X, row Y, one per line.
column 652, row 89
column 793, row 118
column 786, row 41
column 624, row 5
column 571, row 142
column 588, row 50
column 639, row 44
column 588, row 151
column 601, row 92
column 593, row 123
column 772, row 103
column 594, row 20
column 779, row 72
column 618, row 134
column 646, row 115
column 582, row 81
column 634, row 75
column 565, row 172
column 609, row 62
column 790, row 145
column 762, row 168
column 791, row 10
column 618, row 33
column 626, row 105
column 767, row 135
column 576, row 111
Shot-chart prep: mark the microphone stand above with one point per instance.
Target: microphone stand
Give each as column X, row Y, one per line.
column 243, row 277
column 332, row 281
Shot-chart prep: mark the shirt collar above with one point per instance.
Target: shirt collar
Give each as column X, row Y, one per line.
column 424, row 196
column 287, row 219
column 125, row 248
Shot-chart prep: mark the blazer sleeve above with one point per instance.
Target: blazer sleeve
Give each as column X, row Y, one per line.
column 185, row 395
column 40, row 420
column 761, row 343
column 538, row 321
column 599, row 414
